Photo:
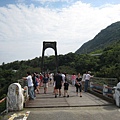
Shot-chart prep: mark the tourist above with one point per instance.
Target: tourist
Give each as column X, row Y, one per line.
column 34, row 83
column 58, row 83
column 78, row 84
column 30, row 85
column 54, row 83
column 73, row 78
column 63, row 77
column 66, row 85
column 45, row 82
column 51, row 78
column 37, row 84
column 41, row 79
column 87, row 79
column 83, row 80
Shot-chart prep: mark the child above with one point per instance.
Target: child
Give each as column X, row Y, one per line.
column 66, row 85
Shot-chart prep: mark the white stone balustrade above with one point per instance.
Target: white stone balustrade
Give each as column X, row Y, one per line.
column 16, row 97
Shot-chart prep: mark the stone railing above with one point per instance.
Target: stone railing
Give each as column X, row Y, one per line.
column 22, row 82
column 4, row 103
column 17, row 96
column 103, row 87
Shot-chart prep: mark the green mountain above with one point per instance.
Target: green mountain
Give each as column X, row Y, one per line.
column 103, row 39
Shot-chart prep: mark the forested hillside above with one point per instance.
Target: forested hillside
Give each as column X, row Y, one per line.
column 106, row 37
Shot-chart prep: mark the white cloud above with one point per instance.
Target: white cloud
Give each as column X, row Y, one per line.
column 24, row 28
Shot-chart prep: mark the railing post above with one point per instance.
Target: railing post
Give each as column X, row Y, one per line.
column 91, row 85
column 117, row 95
column 15, row 98
column 105, row 90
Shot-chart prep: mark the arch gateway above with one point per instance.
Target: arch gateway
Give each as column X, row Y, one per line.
column 54, row 47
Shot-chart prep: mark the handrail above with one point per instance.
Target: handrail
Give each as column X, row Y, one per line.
column 2, row 100
column 108, row 87
column 3, row 105
column 108, row 81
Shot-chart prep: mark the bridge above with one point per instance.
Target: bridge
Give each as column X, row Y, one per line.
column 94, row 99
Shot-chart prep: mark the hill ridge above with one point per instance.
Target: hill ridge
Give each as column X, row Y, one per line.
column 103, row 39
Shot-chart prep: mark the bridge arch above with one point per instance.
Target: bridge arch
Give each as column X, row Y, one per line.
column 52, row 45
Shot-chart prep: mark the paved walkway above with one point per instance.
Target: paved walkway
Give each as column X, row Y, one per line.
column 48, row 100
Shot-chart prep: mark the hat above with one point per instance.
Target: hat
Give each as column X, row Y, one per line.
column 89, row 72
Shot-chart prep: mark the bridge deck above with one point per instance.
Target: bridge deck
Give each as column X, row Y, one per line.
column 48, row 100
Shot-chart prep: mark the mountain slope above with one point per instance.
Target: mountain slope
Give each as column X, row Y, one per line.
column 107, row 36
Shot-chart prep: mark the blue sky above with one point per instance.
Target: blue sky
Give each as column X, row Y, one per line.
column 25, row 24
column 57, row 3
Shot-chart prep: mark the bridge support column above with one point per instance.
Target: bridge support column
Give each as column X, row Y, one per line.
column 49, row 45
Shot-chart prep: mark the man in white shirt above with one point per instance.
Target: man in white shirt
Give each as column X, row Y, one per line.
column 87, row 79
column 30, row 85
column 63, row 77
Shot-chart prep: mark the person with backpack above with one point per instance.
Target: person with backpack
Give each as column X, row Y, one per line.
column 58, row 83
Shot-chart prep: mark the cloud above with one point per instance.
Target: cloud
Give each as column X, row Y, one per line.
column 24, row 28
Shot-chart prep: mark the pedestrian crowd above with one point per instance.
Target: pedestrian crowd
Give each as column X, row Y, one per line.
column 35, row 81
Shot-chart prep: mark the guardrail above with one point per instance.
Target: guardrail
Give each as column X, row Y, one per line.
column 2, row 105
column 22, row 82
column 104, row 90
column 111, row 82
column 3, row 102
column 102, row 87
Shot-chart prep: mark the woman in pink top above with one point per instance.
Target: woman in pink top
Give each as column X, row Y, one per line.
column 73, row 78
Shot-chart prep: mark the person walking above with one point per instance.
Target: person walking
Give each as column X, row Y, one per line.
column 37, row 84
column 83, row 80
column 63, row 77
column 66, row 85
column 34, row 83
column 41, row 79
column 30, row 86
column 45, row 82
column 78, row 85
column 73, row 78
column 58, row 83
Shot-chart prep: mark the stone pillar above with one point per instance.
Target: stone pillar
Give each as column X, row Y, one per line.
column 15, row 98
column 116, row 95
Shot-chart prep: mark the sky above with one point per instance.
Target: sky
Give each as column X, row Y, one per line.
column 25, row 24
